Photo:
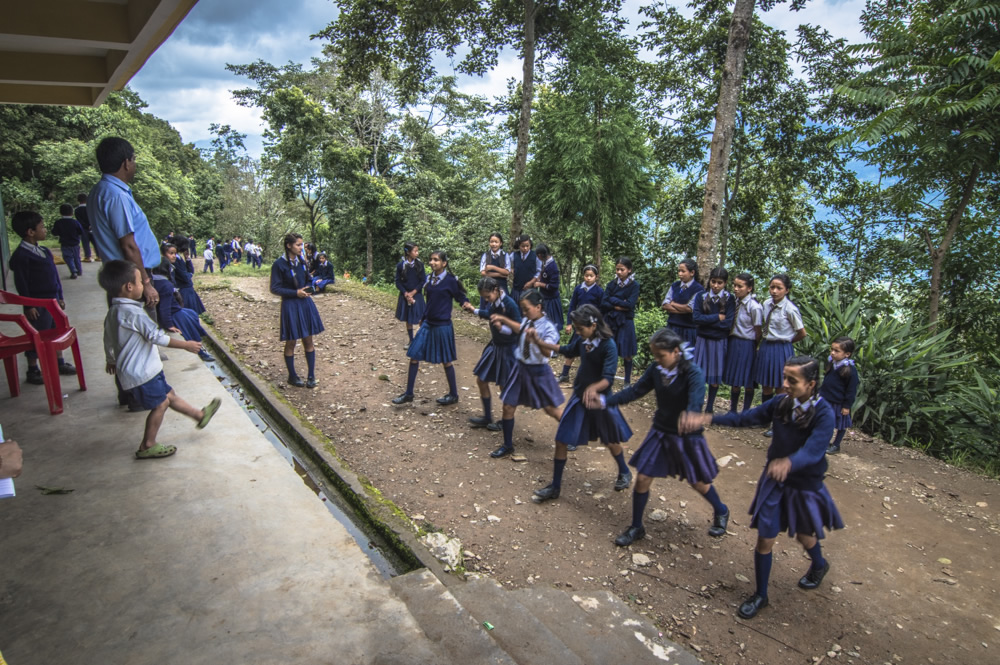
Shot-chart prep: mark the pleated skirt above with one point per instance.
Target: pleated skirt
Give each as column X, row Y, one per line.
column 554, row 312
column 495, row 364
column 689, row 335
column 710, row 355
column 741, row 360
column 777, row 507
column 625, row 340
column 433, row 344
column 841, row 421
column 532, row 385
column 771, row 358
column 580, row 425
column 299, row 318
column 663, row 455
column 191, row 299
column 189, row 324
column 408, row 313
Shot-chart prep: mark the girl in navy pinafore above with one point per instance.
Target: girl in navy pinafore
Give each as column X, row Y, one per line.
column 547, row 283
column 741, row 356
column 679, row 386
column 182, row 275
column 299, row 317
column 323, row 276
column 495, row 263
column 435, row 341
column 581, row 424
column 497, row 361
column 713, row 311
column 790, row 494
column 588, row 293
column 840, row 387
column 677, row 302
column 524, row 266
column 410, row 279
column 618, row 303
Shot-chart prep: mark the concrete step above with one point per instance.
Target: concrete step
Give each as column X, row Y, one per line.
column 450, row 626
column 523, row 635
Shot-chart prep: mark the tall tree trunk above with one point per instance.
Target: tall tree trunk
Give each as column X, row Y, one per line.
column 598, row 241
column 727, row 213
column 370, row 262
column 939, row 253
column 722, row 138
column 524, row 123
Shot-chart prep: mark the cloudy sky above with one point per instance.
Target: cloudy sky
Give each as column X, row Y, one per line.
column 185, row 82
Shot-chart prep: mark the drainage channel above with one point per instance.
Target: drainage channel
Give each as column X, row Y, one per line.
column 379, row 552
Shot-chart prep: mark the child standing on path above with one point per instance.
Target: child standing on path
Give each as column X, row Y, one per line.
column 410, row 279
column 497, row 361
column 713, row 312
column 677, row 302
column 621, row 296
column 209, row 256
column 782, row 328
column 70, row 233
column 36, row 276
column 579, row 424
column 588, row 293
column 547, row 283
column 790, row 494
column 299, row 317
column 130, row 340
column 435, row 341
column 679, row 385
column 840, row 387
column 741, row 356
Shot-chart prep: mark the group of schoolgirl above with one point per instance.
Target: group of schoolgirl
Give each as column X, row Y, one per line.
column 319, row 267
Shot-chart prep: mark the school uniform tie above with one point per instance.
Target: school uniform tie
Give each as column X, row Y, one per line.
column 588, row 345
column 435, row 279
column 736, row 319
column 767, row 322
column 668, row 375
column 526, row 348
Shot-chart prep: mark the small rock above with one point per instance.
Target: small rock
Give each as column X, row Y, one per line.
column 640, row 559
column 493, row 518
column 742, row 578
column 445, row 549
column 658, row 515
column 723, row 461
column 518, row 458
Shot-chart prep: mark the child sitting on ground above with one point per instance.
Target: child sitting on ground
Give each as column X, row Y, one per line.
column 130, row 337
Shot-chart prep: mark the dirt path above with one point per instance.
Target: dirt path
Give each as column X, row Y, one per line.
column 914, row 575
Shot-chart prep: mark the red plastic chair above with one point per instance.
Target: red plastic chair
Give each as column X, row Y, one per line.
column 10, row 347
column 46, row 343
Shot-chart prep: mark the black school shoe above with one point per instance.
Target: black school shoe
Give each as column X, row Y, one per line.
column 311, row 382
column 812, row 579
column 494, row 427
column 630, row 535
column 66, row 369
column 719, row 524
column 547, row 493
column 447, row 400
column 296, row 381
column 623, row 481
column 480, row 421
column 403, row 399
column 752, row 605
column 833, row 450
column 34, row 376
column 502, row 451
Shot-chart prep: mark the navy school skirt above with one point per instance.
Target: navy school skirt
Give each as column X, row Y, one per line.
column 189, row 324
column 579, row 425
column 532, row 385
column 433, row 344
column 299, row 318
column 625, row 340
column 684, row 457
column 741, row 358
column 554, row 312
column 408, row 313
column 689, row 335
column 496, row 364
column 777, row 507
column 191, row 299
column 710, row 355
column 841, row 421
column 771, row 362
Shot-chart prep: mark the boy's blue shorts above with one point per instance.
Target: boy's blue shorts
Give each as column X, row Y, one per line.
column 152, row 393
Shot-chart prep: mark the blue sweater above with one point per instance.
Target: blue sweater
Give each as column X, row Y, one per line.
column 505, row 307
column 408, row 279
column 324, row 271
column 286, row 279
column 601, row 363
column 616, row 296
column 523, row 271
column 549, row 276
column 181, row 275
column 805, row 447
column 709, row 325
column 168, row 304
column 582, row 296
column 683, row 320
column 685, row 393
column 838, row 390
column 68, row 230
column 35, row 276
column 439, row 297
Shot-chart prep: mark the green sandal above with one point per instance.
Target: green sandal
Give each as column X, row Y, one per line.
column 155, row 452
column 210, row 410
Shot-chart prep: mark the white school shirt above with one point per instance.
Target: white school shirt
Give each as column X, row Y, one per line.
column 546, row 331
column 785, row 321
column 750, row 313
column 209, row 255
column 130, row 341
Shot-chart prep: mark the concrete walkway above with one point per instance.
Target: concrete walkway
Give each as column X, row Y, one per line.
column 217, row 555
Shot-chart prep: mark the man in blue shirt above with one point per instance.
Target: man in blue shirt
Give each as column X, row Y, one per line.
column 119, row 226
